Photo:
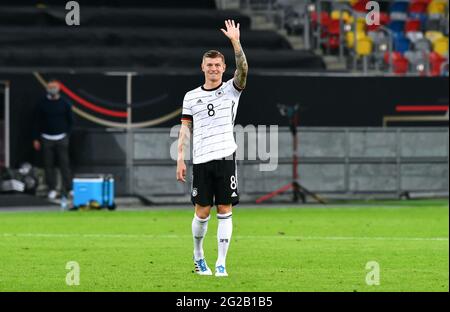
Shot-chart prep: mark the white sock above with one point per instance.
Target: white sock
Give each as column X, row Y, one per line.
column 199, row 228
column 224, row 230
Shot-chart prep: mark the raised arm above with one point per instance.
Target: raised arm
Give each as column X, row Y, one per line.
column 233, row 33
column 183, row 139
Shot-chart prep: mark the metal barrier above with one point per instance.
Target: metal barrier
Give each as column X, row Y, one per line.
column 5, row 126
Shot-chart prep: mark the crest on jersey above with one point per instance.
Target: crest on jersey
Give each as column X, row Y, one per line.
column 219, row 93
column 194, row 192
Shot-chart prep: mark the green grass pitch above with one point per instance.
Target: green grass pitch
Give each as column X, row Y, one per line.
column 272, row 249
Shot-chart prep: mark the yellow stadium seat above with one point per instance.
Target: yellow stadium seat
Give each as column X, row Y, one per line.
column 440, row 46
column 349, row 19
column 433, row 35
column 350, row 38
column 437, row 7
column 364, row 46
column 336, row 15
column 361, row 24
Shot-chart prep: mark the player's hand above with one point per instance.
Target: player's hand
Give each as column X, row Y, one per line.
column 37, row 145
column 181, row 171
column 232, row 31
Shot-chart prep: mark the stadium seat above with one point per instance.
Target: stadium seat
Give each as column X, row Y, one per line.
column 401, row 43
column 418, row 7
column 333, row 27
column 401, row 65
column 377, row 36
column 337, row 14
column 433, row 35
column 399, row 7
column 437, row 7
column 324, row 19
column 361, row 24
column 398, row 11
column 399, row 62
column 364, row 46
column 422, row 45
column 397, row 26
column 350, row 38
column 440, row 46
column 414, row 36
column 360, row 6
column 412, row 25
column 332, row 43
column 350, row 20
column 436, row 62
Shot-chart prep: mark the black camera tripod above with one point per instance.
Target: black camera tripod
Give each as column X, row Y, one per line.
column 299, row 191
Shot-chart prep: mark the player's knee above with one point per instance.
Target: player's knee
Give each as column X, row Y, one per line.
column 202, row 211
column 222, row 209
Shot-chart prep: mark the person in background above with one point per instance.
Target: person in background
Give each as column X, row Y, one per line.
column 52, row 128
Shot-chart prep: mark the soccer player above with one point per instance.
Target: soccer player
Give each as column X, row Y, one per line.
column 210, row 111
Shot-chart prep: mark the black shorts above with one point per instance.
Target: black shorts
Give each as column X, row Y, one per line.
column 215, row 183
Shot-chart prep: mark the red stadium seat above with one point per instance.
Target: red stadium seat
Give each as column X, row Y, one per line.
column 333, row 27
column 325, row 19
column 401, row 66
column 412, row 25
column 332, row 43
column 436, row 62
column 399, row 62
column 418, row 7
column 360, row 6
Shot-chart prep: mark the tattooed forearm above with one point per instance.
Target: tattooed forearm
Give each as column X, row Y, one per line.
column 183, row 139
column 240, row 76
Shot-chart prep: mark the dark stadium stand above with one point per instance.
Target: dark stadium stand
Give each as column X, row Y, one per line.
column 200, row 4
column 145, row 58
column 143, row 36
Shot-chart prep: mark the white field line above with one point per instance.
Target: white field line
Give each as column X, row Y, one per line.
column 152, row 236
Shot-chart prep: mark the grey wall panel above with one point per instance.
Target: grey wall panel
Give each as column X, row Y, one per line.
column 372, row 144
column 152, row 145
column 323, row 178
column 285, row 144
column 159, row 180
column 424, row 177
column 318, row 178
column 256, row 181
column 424, row 144
column 317, row 144
column 373, row 178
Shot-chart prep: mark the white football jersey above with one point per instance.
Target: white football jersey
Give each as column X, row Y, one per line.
column 213, row 113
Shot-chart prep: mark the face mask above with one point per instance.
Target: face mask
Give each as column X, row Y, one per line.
column 53, row 91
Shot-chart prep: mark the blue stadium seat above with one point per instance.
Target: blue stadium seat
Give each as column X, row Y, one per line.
column 401, row 43
column 399, row 7
column 397, row 26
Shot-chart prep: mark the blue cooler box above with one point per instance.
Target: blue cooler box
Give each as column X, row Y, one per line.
column 89, row 189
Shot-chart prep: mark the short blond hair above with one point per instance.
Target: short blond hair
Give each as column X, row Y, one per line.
column 213, row 54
